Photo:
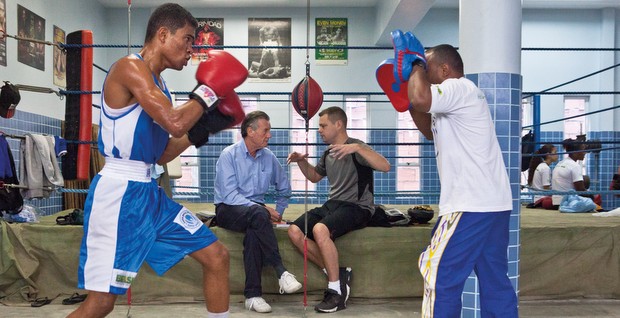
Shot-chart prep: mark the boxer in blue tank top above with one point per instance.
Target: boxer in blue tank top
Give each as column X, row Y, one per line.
column 128, row 218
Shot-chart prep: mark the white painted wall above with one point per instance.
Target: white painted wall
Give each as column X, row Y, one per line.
column 542, row 70
column 69, row 15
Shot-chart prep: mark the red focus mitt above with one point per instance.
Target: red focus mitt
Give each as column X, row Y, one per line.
column 385, row 78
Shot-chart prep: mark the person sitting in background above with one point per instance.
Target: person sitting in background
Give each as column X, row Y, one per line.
column 539, row 173
column 349, row 166
column 567, row 174
column 243, row 174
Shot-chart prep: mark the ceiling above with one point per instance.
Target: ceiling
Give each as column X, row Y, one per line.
column 528, row 4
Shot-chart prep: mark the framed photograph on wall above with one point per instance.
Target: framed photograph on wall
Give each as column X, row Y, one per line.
column 60, row 59
column 331, row 36
column 3, row 28
column 210, row 31
column 269, row 62
column 31, row 26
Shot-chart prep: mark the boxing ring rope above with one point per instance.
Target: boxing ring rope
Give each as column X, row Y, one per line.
column 21, row 38
column 65, row 46
column 388, row 195
column 74, row 92
column 374, row 144
column 303, row 47
column 576, row 116
column 393, row 194
column 572, row 81
column 39, row 89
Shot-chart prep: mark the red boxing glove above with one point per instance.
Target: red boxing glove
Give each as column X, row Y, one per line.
column 385, row 78
column 230, row 105
column 218, row 75
column 229, row 112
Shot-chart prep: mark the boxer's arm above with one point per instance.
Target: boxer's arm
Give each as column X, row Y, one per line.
column 130, row 81
column 579, row 186
column 308, row 170
column 173, row 149
column 419, row 90
column 423, row 122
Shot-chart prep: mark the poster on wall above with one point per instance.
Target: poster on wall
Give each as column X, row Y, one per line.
column 331, row 33
column 2, row 29
column 31, row 26
column 60, row 59
column 268, row 61
column 210, row 31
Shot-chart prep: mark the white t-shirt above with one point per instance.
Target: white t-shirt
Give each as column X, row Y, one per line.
column 469, row 160
column 565, row 174
column 542, row 178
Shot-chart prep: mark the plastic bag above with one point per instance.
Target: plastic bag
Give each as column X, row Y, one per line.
column 28, row 214
column 573, row 203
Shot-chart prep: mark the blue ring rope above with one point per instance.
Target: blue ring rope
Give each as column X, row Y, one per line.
column 379, row 195
column 404, row 194
column 304, row 47
column 76, row 92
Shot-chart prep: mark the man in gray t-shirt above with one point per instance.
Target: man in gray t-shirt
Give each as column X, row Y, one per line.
column 350, row 178
column 348, row 164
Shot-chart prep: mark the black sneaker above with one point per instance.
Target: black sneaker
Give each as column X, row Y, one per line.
column 332, row 302
column 345, row 274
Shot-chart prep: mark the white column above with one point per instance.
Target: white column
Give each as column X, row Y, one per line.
column 490, row 35
column 490, row 45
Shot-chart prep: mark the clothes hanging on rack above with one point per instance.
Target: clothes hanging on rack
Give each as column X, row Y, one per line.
column 60, row 145
column 5, row 166
column 38, row 166
column 11, row 200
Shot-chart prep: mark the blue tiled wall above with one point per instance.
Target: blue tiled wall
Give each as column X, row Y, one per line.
column 430, row 176
column 25, row 122
column 208, row 159
column 385, row 184
column 503, row 93
column 323, row 185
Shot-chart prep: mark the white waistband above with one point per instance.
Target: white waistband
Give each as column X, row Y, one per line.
column 126, row 169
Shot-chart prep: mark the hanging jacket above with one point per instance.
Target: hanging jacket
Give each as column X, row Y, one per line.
column 38, row 166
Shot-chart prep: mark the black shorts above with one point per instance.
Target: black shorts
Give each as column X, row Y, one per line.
column 340, row 217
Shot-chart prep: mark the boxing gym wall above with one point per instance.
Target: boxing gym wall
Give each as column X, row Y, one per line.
column 594, row 28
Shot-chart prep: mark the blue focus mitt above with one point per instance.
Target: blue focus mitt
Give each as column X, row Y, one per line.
column 407, row 51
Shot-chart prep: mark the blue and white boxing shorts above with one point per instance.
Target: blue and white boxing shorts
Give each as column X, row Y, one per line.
column 128, row 219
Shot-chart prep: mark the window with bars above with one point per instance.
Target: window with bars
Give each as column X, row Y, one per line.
column 573, row 106
column 302, row 143
column 408, row 162
column 356, row 115
column 355, row 108
column 250, row 104
column 189, row 182
column 527, row 119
